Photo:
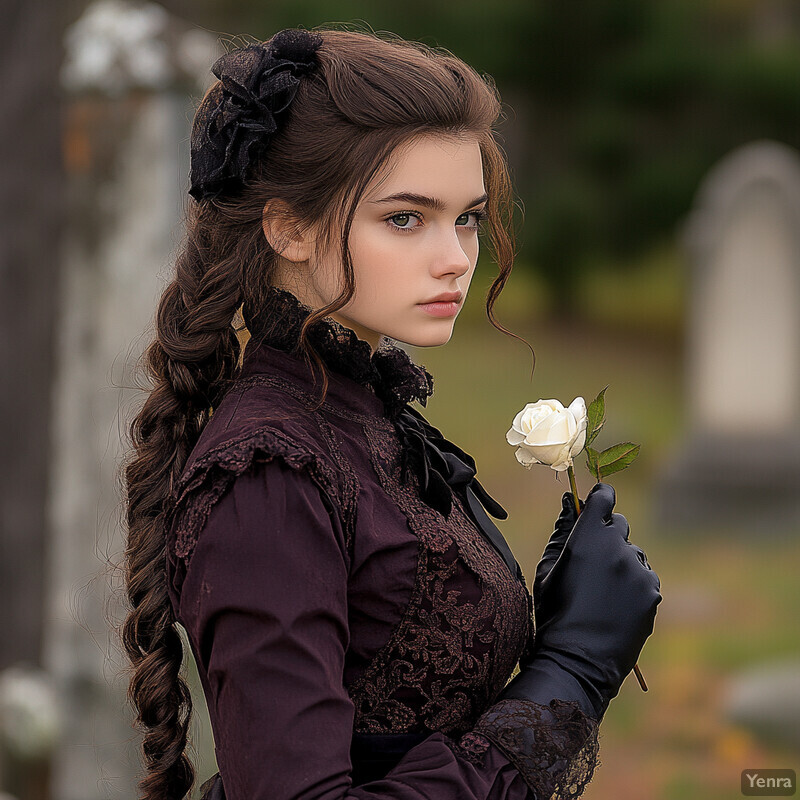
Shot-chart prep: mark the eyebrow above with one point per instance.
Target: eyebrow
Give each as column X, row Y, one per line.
column 423, row 200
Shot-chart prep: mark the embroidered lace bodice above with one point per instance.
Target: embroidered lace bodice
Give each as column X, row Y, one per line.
column 421, row 613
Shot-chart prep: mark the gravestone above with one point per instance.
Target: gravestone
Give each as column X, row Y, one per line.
column 765, row 699
column 133, row 75
column 738, row 466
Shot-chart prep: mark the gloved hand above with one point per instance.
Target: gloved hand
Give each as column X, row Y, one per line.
column 595, row 599
column 563, row 528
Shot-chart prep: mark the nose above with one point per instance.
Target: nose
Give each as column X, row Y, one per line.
column 450, row 256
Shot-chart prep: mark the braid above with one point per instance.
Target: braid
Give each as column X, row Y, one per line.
column 189, row 365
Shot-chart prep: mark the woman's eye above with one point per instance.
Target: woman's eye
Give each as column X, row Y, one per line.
column 408, row 221
column 402, row 221
column 477, row 218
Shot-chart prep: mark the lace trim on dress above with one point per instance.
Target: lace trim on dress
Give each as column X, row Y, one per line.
column 465, row 624
column 212, row 474
column 389, row 372
column 555, row 747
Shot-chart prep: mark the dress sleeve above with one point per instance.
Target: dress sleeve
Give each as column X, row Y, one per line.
column 264, row 602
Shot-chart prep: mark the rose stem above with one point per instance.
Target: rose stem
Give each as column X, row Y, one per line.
column 574, row 486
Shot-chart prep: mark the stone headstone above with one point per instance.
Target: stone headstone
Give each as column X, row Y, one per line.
column 765, row 699
column 739, row 462
column 132, row 77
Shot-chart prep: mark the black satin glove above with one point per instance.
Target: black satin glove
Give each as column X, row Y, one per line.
column 595, row 599
column 562, row 529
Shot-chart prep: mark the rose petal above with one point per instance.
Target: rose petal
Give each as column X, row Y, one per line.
column 563, row 460
column 552, row 430
column 579, row 443
column 546, row 454
column 519, row 422
column 514, row 437
column 532, row 417
column 525, row 457
column 578, row 409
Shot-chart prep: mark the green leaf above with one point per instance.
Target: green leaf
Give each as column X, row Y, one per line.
column 592, row 457
column 617, row 457
column 596, row 416
column 590, row 437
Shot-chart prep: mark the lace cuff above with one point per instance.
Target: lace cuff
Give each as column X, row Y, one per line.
column 554, row 747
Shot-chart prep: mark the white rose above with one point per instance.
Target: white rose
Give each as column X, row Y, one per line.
column 547, row 433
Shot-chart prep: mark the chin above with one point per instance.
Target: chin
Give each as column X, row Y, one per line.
column 425, row 339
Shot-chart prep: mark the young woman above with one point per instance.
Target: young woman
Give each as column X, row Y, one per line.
column 354, row 613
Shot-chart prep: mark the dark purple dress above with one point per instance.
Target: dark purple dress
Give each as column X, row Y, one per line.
column 350, row 638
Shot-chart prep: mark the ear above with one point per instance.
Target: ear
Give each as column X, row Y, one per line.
column 285, row 235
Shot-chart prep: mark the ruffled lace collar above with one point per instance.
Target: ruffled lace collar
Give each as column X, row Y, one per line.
column 389, row 372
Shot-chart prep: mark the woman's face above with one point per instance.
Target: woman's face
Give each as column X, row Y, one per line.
column 414, row 237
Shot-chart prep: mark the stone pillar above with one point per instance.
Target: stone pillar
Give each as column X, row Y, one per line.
column 739, row 463
column 131, row 76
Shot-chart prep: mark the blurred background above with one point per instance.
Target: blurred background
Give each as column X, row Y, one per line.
column 654, row 149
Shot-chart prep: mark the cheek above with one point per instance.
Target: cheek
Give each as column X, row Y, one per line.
column 471, row 246
column 370, row 247
column 472, row 254
column 378, row 266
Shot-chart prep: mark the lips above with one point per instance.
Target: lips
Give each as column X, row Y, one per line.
column 446, row 297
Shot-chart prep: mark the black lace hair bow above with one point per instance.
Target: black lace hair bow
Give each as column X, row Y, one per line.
column 238, row 116
column 442, row 467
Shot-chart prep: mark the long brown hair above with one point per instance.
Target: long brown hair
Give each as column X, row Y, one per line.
column 369, row 94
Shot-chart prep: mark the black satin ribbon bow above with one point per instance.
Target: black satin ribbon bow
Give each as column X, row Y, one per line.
column 443, row 467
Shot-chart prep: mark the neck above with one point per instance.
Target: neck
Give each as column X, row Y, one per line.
column 372, row 338
column 387, row 371
column 303, row 293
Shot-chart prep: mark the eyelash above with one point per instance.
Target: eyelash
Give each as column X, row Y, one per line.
column 480, row 215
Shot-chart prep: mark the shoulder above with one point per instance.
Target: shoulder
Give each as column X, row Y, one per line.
column 254, row 425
